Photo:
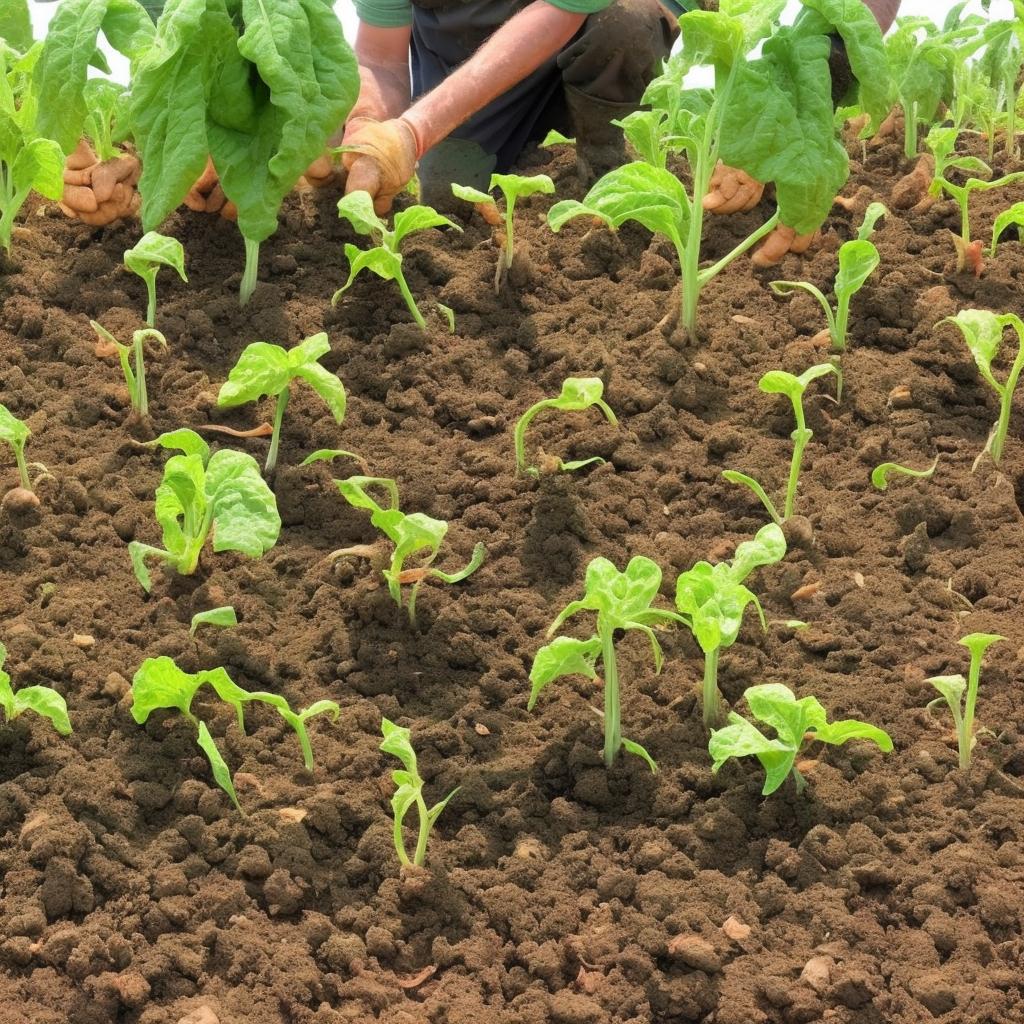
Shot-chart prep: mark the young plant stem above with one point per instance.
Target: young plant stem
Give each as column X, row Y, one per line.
column 711, row 700
column 612, row 710
column 801, row 436
column 396, row 832
column 275, row 440
column 252, row 266
column 19, row 457
column 910, row 131
column 151, row 301
column 410, row 301
column 510, row 250
column 141, row 394
column 419, row 858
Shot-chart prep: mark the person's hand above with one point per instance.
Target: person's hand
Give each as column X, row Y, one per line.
column 781, row 241
column 99, row 192
column 382, row 160
column 207, row 195
column 323, row 171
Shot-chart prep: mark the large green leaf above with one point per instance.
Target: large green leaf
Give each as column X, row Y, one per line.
column 16, row 24
column 39, row 167
column 858, row 259
column 13, row 431
column 245, row 516
column 262, row 369
column 159, row 683
column 564, row 656
column 154, row 251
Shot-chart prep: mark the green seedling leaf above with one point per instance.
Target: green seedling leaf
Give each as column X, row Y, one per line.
column 268, row 370
column 880, row 474
column 1014, row 215
column 329, row 455
column 631, row 747
column 219, row 767
column 44, row 701
column 104, row 125
column 556, row 138
column 16, row 434
column 224, row 617
column 872, row 215
column 794, row 722
column 148, row 255
column 134, row 377
column 577, row 395
column 449, row 316
column 471, row 195
column 564, row 656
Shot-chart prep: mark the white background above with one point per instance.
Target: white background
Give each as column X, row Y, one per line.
column 934, row 9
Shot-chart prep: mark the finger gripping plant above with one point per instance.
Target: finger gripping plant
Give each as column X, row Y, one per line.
column 160, row 684
column 200, row 494
column 795, row 722
column 983, row 331
column 778, row 382
column 44, row 701
column 264, row 369
column 414, row 534
column 578, row 394
column 713, row 599
column 622, row 601
column 962, row 695
column 385, row 258
column 409, row 791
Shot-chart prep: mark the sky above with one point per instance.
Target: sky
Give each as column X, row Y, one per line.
column 934, row 9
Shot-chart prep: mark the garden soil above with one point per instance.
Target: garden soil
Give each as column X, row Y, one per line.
column 891, row 890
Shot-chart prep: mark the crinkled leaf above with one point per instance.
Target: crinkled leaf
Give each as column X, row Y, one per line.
column 159, row 683
column 380, row 261
column 417, row 218
column 262, row 369
column 39, row 167
column 180, row 501
column 1014, row 215
column 858, row 259
column 952, row 689
column 564, row 656
column 518, row 186
column 983, row 332
column 185, row 440
column 712, row 38
column 13, row 431
column 224, row 616
column 837, row 733
column 153, row 251
column 45, row 702
column 767, row 548
column 621, row 597
column 245, row 516
column 398, row 742
column 741, row 738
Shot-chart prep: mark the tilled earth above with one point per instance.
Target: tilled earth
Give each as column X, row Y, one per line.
column 891, row 891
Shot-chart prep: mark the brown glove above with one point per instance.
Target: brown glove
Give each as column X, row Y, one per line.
column 207, row 196
column 100, row 192
column 324, row 171
column 383, row 160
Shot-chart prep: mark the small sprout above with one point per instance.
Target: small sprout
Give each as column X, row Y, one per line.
column 449, row 316
column 512, row 187
column 578, row 394
column 794, row 722
column 149, row 254
column 16, row 434
column 1013, row 216
column 224, row 617
column 329, row 455
column 556, row 138
column 713, row 599
column 44, row 701
column 223, row 495
column 409, row 791
column 983, row 332
column 622, row 601
column 264, row 369
column 135, row 380
column 385, row 259
column 414, row 534
column 880, row 474
column 778, row 382
column 160, row 684
column 953, row 689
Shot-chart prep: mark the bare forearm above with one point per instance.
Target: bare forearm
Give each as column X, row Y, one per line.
column 512, row 53
column 383, row 58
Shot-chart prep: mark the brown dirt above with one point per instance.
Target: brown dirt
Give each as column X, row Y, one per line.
column 892, row 891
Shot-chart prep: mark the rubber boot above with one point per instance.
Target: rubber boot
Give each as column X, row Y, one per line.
column 600, row 145
column 453, row 162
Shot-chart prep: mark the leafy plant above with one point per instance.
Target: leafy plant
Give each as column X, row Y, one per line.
column 413, row 535
column 794, row 723
column 159, row 684
column 962, row 695
column 622, row 601
column 778, row 382
column 256, row 85
column 858, row 259
column 1013, row 216
column 880, row 474
column 397, row 741
column 556, row 138
column 512, row 187
column 578, row 394
column 147, row 256
column 44, row 701
column 264, row 369
column 16, row 433
column 385, row 258
column 224, row 617
column 1002, row 62
column 713, row 599
column 983, row 332
column 135, row 380
column 106, row 103
column 200, row 494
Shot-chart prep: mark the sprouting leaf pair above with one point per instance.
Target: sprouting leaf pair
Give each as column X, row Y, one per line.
column 43, row 700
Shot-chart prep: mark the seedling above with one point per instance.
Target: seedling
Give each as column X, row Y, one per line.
column 200, row 494
column 578, row 394
column 962, row 695
column 983, row 332
column 264, row 369
column 44, row 701
column 713, row 600
column 135, row 380
column 858, row 259
column 160, row 684
column 880, row 474
column 512, row 187
column 1013, row 216
column 622, row 601
column 16, row 433
column 224, row 617
column 106, row 104
column 778, row 382
column 413, row 534
column 148, row 255
column 409, row 791
column 794, row 722
column 556, row 138
column 385, row 259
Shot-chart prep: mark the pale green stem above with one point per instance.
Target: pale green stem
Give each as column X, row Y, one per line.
column 19, row 457
column 801, row 436
column 910, row 131
column 612, row 710
column 252, row 266
column 967, row 730
column 396, row 833
column 151, row 302
column 140, row 377
column 420, row 856
column 275, row 440
column 410, row 301
column 751, row 240
column 510, row 251
column 712, row 703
